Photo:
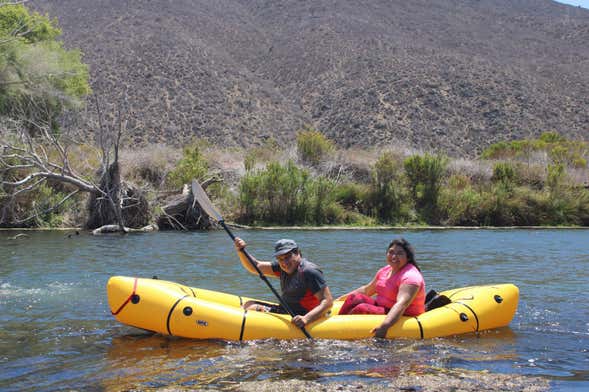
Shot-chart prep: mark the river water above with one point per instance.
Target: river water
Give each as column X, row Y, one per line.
column 57, row 333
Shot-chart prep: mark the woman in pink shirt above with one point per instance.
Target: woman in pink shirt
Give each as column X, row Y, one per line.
column 399, row 289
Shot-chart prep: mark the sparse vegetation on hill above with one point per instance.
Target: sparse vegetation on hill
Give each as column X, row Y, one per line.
column 449, row 76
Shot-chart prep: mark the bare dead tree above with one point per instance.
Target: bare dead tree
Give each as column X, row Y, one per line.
column 120, row 202
column 108, row 140
column 28, row 160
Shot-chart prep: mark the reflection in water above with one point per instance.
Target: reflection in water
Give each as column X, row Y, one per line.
column 155, row 360
column 146, row 361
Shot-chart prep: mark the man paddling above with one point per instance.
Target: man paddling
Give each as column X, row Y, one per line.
column 303, row 287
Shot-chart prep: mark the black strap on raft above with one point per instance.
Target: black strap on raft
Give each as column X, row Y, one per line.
column 433, row 300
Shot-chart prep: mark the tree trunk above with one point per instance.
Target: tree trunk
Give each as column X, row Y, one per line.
column 184, row 213
column 123, row 204
column 105, row 209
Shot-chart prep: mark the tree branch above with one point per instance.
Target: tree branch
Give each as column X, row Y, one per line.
column 29, row 188
column 49, row 209
column 81, row 185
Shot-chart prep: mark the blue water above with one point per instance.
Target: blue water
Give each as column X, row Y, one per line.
column 56, row 331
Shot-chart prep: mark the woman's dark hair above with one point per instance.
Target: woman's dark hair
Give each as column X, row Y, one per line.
column 403, row 243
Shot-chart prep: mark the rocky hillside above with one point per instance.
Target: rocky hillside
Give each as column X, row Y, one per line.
column 449, row 74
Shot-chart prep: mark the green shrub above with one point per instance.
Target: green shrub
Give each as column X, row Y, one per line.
column 580, row 199
column 552, row 137
column 249, row 162
column 46, row 198
column 275, row 195
column 287, row 194
column 192, row 165
column 40, row 77
column 497, row 150
column 560, row 211
column 495, row 208
column 425, row 174
column 356, row 219
column 459, row 202
column 533, row 176
column 322, row 202
column 519, row 206
column 555, row 178
column 386, row 196
column 559, row 149
column 313, row 146
column 460, row 206
column 351, row 196
column 249, row 197
column 16, row 21
column 503, row 172
column 579, row 163
column 458, row 182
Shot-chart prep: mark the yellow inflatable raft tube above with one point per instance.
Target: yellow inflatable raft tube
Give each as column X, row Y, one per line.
column 174, row 309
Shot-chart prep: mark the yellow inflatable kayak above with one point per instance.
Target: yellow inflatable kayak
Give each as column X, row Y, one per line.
column 174, row 309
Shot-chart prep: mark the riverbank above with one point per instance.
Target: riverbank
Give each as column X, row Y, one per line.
column 407, row 228
column 455, row 380
column 325, row 228
column 378, row 188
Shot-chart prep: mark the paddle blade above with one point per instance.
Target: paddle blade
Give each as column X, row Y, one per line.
column 204, row 201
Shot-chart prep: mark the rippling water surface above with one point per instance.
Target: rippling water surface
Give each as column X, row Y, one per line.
column 56, row 331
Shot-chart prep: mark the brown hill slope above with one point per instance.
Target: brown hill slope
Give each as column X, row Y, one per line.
column 449, row 74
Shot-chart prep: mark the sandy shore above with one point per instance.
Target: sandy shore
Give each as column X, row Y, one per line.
column 459, row 381
column 450, row 380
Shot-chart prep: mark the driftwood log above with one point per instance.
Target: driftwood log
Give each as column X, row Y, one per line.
column 107, row 229
column 183, row 212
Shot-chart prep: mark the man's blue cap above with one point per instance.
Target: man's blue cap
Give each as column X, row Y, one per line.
column 284, row 246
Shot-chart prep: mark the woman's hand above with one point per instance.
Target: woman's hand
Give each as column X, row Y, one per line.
column 407, row 293
column 381, row 331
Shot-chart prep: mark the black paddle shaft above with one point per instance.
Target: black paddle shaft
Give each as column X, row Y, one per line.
column 264, row 278
column 205, row 203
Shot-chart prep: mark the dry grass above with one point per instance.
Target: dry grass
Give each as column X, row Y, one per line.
column 477, row 171
column 149, row 165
